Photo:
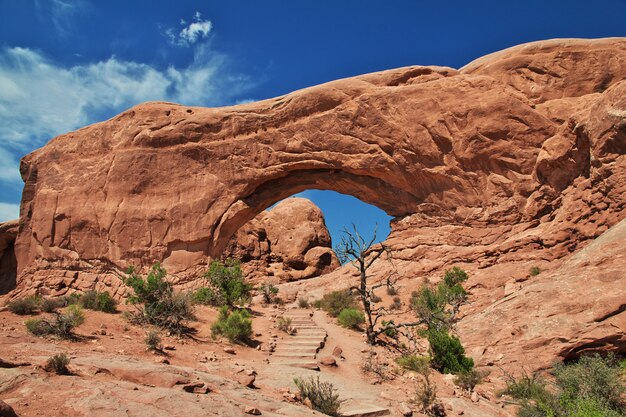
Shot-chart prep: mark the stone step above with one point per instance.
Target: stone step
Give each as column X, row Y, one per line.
column 302, row 355
column 287, row 349
column 366, row 412
column 305, row 364
column 296, row 344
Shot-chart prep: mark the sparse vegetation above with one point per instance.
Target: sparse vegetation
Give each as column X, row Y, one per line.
column 351, row 318
column 303, row 302
column 157, row 303
column 24, row 306
column 391, row 290
column 415, row 363
column 284, row 325
column 269, row 292
column 98, row 301
column 336, row 301
column 323, row 395
column 226, row 280
column 468, row 380
column 534, row 271
column 592, row 387
column 58, row 364
column 153, row 341
column 396, row 304
column 50, row 305
column 236, row 325
column 62, row 325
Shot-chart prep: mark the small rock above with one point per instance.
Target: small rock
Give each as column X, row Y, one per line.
column 474, row 397
column 230, row 351
column 307, row 402
column 258, row 334
column 103, row 332
column 196, row 388
column 99, row 349
column 337, row 352
column 169, row 347
column 405, row 410
column 248, row 381
column 253, row 411
column 258, row 347
column 328, row 361
column 162, row 360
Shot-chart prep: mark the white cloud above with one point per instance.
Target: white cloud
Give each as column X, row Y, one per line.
column 190, row 34
column 59, row 12
column 9, row 211
column 40, row 99
column 9, row 166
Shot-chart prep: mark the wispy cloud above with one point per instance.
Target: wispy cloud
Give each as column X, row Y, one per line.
column 9, row 211
column 59, row 12
column 190, row 33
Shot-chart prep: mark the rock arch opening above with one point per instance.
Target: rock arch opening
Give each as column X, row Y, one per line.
column 294, row 237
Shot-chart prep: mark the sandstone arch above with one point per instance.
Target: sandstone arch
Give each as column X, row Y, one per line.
column 503, row 145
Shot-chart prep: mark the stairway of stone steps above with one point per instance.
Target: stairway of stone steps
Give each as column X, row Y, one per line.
column 300, row 350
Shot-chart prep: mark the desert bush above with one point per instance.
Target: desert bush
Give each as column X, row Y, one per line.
column 157, row 303
column 62, row 325
column 153, row 340
column 284, row 324
column 375, row 299
column 303, row 302
column 591, row 387
column 351, row 318
column 391, row 290
column 389, row 327
column 24, row 306
column 98, row 301
column 447, row 353
column 205, row 296
column 317, row 304
column 468, row 380
column 334, row 302
column 58, row 364
column 323, row 395
column 534, row 271
column 50, row 305
column 415, row 363
column 236, row 326
column 396, row 304
column 226, row 279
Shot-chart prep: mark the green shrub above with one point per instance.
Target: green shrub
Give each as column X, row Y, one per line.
column 415, row 363
column 303, row 302
column 226, row 279
column 205, row 296
column 468, row 380
column 62, row 325
column 391, row 290
column 158, row 304
column 335, row 301
column 534, row 271
column 323, row 395
column 317, row 304
column 236, row 326
column 24, row 306
column 447, row 353
column 153, row 340
column 351, row 318
column 396, row 304
column 526, row 387
column 58, row 364
column 390, row 328
column 98, row 301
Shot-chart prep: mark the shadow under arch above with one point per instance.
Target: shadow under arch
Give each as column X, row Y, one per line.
column 393, row 201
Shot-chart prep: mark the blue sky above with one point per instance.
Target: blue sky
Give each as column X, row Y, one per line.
column 65, row 64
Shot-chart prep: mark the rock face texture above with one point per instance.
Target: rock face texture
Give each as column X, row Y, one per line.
column 514, row 160
column 289, row 242
column 8, row 263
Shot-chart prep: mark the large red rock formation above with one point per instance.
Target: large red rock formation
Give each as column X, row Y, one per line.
column 288, row 242
column 8, row 263
column 514, row 160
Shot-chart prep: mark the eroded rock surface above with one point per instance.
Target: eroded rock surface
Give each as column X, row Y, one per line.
column 289, row 242
column 8, row 262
